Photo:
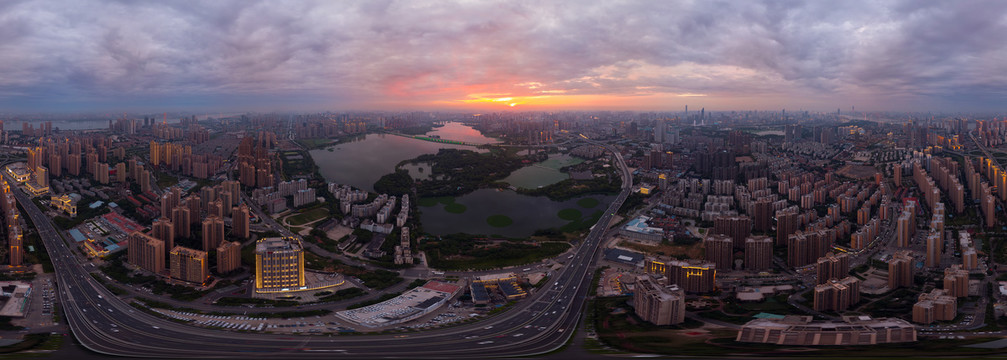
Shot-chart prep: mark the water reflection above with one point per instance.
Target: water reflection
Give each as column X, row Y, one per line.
column 529, row 213
column 543, row 173
column 363, row 160
column 460, row 132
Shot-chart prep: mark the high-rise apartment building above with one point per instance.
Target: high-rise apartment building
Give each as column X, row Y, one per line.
column 934, row 247
column 694, row 276
column 42, row 176
column 763, row 218
column 180, row 217
column 146, row 252
column 145, row 181
column 120, row 173
column 905, row 229
column 788, row 221
column 164, row 230
column 657, row 303
column 956, row 281
column 832, row 266
column 970, row 258
column 758, row 253
column 804, row 248
column 837, row 295
column 900, row 270
column 213, row 232
column 737, row 227
column 228, row 257
column 988, row 205
column 719, row 249
column 169, row 201
column 240, row 221
column 936, row 305
column 195, row 208
column 215, row 207
column 189, row 265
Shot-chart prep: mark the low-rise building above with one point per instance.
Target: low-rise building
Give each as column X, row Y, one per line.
column 67, row 203
column 803, row 331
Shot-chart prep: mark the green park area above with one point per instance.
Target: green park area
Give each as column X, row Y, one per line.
column 308, row 216
column 463, row 251
column 452, row 173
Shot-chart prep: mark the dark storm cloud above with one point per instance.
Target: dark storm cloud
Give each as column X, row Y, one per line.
column 341, row 54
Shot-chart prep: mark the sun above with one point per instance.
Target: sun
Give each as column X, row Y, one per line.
column 512, row 104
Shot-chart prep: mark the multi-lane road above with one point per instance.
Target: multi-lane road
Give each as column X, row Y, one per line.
column 542, row 323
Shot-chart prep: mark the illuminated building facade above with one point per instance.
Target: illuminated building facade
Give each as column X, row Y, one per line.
column 693, row 276
column 279, row 265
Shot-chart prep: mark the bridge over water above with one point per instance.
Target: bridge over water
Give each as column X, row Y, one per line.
column 436, row 140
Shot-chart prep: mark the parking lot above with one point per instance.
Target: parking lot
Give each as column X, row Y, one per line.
column 42, row 304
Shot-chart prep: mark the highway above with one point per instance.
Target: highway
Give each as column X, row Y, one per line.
column 539, row 324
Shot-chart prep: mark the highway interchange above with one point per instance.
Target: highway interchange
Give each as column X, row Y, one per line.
column 542, row 323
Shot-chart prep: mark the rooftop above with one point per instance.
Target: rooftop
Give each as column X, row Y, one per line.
column 277, row 244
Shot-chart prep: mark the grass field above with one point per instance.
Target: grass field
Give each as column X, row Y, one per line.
column 308, row 216
column 694, row 251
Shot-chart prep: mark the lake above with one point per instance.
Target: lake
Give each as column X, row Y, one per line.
column 529, row 213
column 361, row 162
column 543, row 173
column 460, row 132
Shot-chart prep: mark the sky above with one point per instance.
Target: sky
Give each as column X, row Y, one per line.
column 912, row 55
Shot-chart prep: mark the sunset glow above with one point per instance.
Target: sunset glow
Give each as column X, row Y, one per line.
column 496, row 55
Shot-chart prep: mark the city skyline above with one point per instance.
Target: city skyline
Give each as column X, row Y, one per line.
column 501, row 56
